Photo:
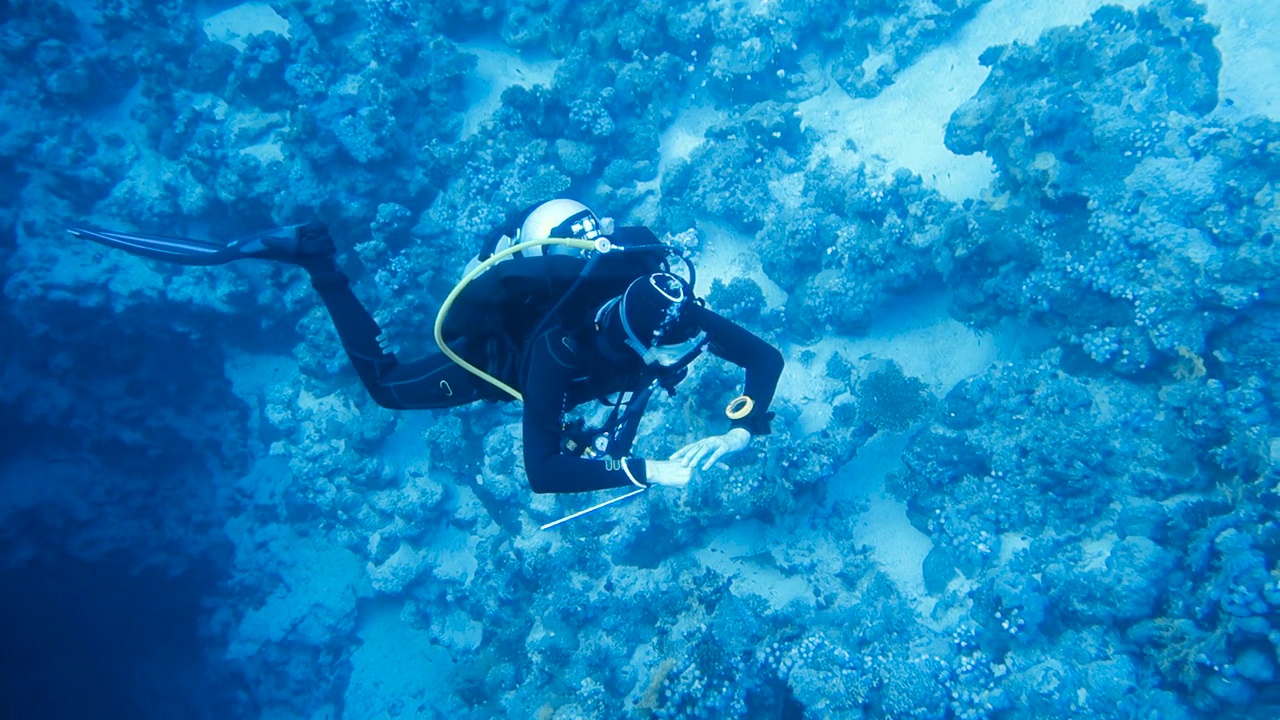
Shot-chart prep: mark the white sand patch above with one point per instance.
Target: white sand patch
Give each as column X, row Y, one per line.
column 1012, row 543
column 235, row 25
column 897, row 547
column 727, row 254
column 250, row 126
column 1249, row 40
column 1097, row 551
column 739, row 553
column 497, row 69
column 685, row 134
column 452, row 555
column 733, row 9
column 336, row 407
column 405, row 447
column 396, row 670
column 208, row 102
column 146, row 177
column 921, row 337
column 917, row 334
column 252, row 375
column 266, row 153
column 789, row 191
column 348, row 85
column 675, row 145
column 904, row 126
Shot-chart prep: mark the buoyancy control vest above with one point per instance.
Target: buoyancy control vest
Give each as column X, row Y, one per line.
column 487, row 322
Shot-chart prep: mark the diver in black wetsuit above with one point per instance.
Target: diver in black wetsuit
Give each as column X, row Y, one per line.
column 631, row 344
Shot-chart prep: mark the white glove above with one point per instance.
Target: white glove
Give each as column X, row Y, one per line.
column 667, row 472
column 706, row 452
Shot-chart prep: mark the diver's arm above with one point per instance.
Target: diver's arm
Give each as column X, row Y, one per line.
column 550, row 470
column 762, row 361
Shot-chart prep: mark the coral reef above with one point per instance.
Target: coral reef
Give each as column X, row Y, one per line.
column 888, row 400
column 1099, row 508
column 1137, row 236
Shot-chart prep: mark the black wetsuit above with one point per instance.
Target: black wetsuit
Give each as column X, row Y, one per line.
column 561, row 370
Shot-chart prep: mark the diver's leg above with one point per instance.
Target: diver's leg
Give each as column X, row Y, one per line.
column 356, row 328
column 431, row 382
column 434, row 381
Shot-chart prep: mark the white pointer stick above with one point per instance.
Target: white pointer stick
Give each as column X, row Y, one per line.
column 593, row 508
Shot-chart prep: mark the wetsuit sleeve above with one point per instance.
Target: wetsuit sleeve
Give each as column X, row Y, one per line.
column 762, row 361
column 549, row 469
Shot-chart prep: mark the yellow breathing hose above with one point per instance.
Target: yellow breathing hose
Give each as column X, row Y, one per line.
column 600, row 245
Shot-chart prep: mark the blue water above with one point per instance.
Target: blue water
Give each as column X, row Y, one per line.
column 1020, row 258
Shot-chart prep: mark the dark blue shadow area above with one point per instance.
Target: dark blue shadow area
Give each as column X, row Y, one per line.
column 91, row 641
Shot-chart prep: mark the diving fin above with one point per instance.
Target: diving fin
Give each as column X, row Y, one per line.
column 159, row 247
column 286, row 244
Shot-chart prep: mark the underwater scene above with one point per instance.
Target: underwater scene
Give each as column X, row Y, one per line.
column 997, row 434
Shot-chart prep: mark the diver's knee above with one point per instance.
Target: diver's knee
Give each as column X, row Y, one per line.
column 385, row 398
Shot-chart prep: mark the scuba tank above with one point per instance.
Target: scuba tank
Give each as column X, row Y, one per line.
column 506, row 300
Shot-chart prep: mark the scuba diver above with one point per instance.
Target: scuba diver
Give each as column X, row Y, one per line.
column 564, row 310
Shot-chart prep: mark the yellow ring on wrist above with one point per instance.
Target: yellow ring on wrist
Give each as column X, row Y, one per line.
column 739, row 407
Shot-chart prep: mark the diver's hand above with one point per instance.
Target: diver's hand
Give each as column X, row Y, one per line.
column 384, row 342
column 704, row 453
column 667, row 473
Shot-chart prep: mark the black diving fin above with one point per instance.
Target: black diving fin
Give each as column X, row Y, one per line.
column 285, row 244
column 159, row 247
